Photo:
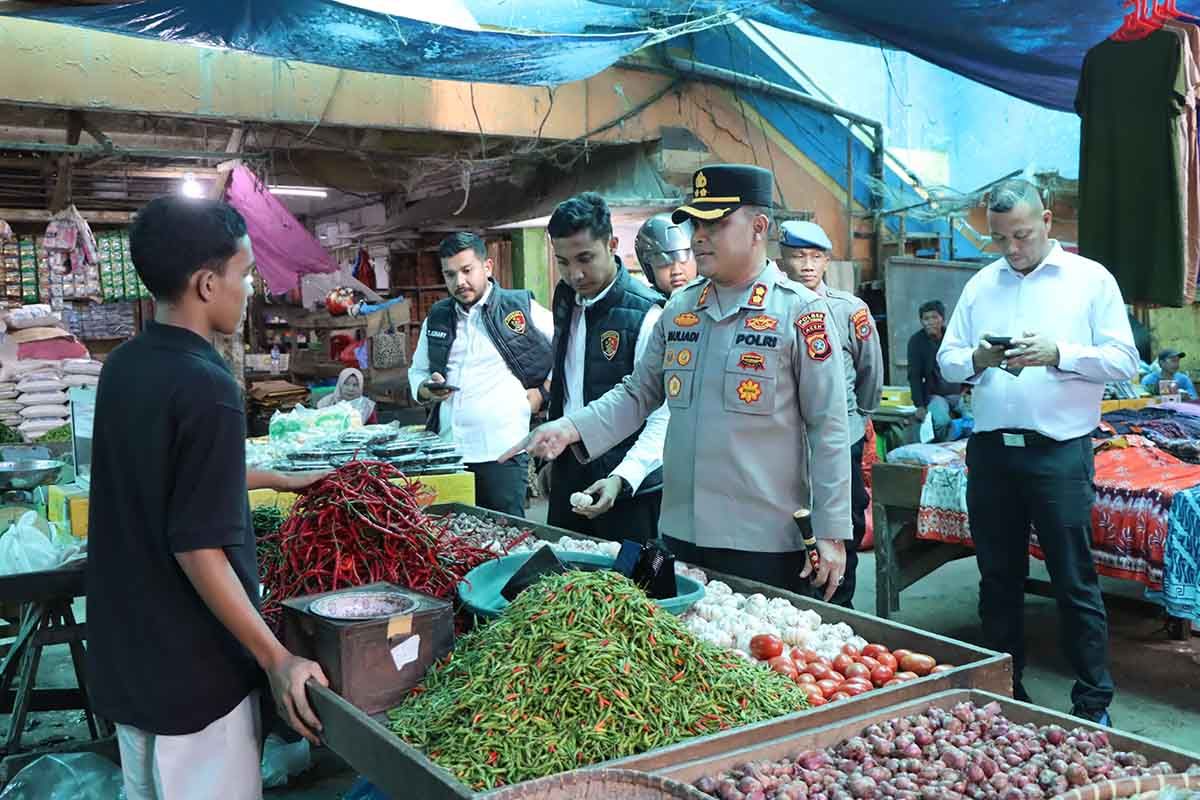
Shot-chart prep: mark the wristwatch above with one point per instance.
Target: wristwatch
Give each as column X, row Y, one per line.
column 626, row 487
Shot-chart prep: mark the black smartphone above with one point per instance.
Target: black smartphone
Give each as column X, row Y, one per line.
column 441, row 387
column 999, row 341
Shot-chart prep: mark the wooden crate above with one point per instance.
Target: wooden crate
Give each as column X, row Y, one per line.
column 371, row 663
column 749, row 747
column 404, row 771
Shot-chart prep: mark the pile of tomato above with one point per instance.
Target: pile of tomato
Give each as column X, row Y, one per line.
column 852, row 673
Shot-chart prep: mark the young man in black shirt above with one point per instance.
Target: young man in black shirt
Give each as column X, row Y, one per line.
column 931, row 393
column 177, row 649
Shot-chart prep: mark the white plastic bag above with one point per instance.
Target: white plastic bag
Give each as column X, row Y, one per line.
column 927, row 429
column 24, row 548
column 67, row 776
column 282, row 761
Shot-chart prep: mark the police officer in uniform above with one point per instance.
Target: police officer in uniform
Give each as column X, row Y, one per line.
column 664, row 251
column 804, row 256
column 751, row 367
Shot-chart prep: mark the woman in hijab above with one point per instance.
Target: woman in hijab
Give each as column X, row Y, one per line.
column 350, row 390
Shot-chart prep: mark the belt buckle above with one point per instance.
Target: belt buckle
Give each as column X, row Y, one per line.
column 1013, row 439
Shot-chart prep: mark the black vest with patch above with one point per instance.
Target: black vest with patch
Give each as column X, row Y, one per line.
column 509, row 323
column 613, row 325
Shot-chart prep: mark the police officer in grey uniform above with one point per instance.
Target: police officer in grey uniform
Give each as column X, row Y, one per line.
column 751, row 367
column 664, row 251
column 804, row 256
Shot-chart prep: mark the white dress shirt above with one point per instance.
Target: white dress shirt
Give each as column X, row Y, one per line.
column 1071, row 299
column 490, row 410
column 646, row 454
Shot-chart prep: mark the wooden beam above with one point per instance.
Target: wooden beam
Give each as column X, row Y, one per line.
column 95, row 132
column 233, row 146
column 42, row 215
column 62, row 187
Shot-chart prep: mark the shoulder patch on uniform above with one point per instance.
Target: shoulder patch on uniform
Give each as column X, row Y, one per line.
column 812, row 326
column 861, row 320
column 610, row 342
column 516, row 322
column 758, row 296
column 687, row 320
column 761, row 323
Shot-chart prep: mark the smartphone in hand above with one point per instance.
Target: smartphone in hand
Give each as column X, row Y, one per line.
column 999, row 341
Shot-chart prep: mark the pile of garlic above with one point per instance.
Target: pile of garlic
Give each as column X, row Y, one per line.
column 728, row 619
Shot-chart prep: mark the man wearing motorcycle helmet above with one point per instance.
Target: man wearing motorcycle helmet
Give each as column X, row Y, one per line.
column 664, row 251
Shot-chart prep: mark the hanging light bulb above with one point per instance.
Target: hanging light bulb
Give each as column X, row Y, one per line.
column 191, row 187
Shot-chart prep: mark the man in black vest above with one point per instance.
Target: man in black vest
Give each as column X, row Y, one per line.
column 603, row 319
column 480, row 367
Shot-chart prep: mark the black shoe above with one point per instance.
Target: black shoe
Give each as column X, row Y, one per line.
column 1098, row 716
column 1020, row 694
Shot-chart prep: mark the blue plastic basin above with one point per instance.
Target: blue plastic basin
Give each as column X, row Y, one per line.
column 480, row 590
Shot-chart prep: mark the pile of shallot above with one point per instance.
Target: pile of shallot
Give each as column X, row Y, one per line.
column 965, row 753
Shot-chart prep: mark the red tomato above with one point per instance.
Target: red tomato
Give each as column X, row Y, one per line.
column 888, row 660
column 868, row 662
column 881, row 675
column 809, row 655
column 918, row 663
column 783, row 665
column 818, row 670
column 815, row 702
column 804, row 677
column 855, row 688
column 837, row 676
column 851, row 650
column 811, row 691
column 873, row 650
column 829, row 686
column 907, row 676
column 766, row 646
column 841, row 662
column 893, row 682
column 942, row 668
column 858, row 671
column 833, row 698
column 797, row 655
column 899, row 654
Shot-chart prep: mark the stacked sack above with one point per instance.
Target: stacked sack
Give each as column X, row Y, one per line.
column 42, row 397
column 81, row 372
column 10, row 409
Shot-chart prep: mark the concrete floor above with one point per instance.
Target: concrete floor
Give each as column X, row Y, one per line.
column 1158, row 681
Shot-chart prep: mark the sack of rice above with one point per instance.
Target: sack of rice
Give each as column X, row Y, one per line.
column 43, row 398
column 81, row 380
column 50, row 412
column 32, row 429
column 82, row 366
column 5, row 395
column 10, row 407
column 37, row 385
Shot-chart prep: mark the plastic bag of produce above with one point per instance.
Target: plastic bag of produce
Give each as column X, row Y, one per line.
column 24, row 548
column 924, row 454
column 302, row 422
column 282, row 760
column 67, row 776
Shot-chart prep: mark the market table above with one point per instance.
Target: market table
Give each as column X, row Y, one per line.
column 45, row 599
column 920, row 521
column 403, row 771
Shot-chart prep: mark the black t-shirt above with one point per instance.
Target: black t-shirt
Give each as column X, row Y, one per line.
column 168, row 476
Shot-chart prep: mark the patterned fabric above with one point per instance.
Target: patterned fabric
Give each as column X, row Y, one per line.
column 1145, row 521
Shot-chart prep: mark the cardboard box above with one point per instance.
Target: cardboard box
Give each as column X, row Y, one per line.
column 67, row 506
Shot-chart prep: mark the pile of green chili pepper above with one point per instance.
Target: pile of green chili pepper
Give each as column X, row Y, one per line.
column 60, row 434
column 361, row 524
column 581, row 668
column 9, row 436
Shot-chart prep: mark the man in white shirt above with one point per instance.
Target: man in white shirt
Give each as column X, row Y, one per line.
column 603, row 321
column 480, row 365
column 1036, row 401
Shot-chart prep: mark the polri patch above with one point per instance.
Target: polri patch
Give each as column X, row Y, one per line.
column 610, row 343
column 684, row 357
column 816, row 337
column 758, row 295
column 762, row 323
column 516, row 322
column 687, row 320
column 861, row 320
column 749, row 391
column 752, row 360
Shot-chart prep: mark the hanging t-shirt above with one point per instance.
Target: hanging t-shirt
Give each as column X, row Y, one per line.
column 1189, row 154
column 1131, row 182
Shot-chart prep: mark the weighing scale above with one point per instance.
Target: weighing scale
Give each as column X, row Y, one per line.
column 18, row 479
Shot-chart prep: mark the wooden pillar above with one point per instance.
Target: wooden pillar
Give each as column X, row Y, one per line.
column 531, row 264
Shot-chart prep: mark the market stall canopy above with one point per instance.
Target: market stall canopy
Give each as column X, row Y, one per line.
column 1032, row 49
column 283, row 248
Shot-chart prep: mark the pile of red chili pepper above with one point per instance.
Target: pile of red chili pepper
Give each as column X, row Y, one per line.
column 361, row 524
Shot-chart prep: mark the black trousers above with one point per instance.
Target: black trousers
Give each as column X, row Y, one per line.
column 502, row 487
column 634, row 518
column 844, row 596
column 781, row 570
column 1048, row 484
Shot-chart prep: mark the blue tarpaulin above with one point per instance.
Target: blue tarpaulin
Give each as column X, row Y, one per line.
column 1032, row 49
